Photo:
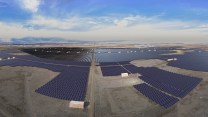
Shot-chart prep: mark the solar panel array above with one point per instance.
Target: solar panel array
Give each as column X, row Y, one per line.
column 108, row 64
column 54, row 65
column 116, row 68
column 128, row 54
column 171, row 83
column 195, row 60
column 131, row 68
column 113, row 71
column 124, row 63
column 175, row 84
column 62, row 62
column 4, row 55
column 19, row 62
column 69, row 85
column 158, row 97
column 114, row 63
column 62, row 53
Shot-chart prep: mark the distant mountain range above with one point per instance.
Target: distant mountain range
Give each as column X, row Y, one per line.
column 34, row 40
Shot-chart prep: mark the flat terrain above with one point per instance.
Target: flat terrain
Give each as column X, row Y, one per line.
column 112, row 96
column 19, row 99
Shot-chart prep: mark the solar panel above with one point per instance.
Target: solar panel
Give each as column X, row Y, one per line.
column 69, row 85
column 131, row 68
column 158, row 97
column 129, row 54
column 124, row 63
column 195, row 60
column 175, row 84
column 113, row 70
column 109, row 64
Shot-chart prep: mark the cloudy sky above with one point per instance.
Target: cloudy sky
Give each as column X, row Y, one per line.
column 100, row 20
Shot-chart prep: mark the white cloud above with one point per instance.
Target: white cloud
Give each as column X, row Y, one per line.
column 31, row 5
column 144, row 29
column 71, row 23
column 52, row 23
column 205, row 26
column 88, row 23
column 121, row 23
column 135, row 20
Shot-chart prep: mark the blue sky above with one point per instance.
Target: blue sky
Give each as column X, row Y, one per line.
column 94, row 20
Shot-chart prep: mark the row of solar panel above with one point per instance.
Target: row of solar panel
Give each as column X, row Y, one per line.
column 114, row 63
column 167, row 77
column 113, row 71
column 127, row 54
column 119, row 68
column 4, row 55
column 195, row 60
column 50, row 66
column 196, row 65
column 8, row 53
column 158, row 97
column 63, row 62
column 69, row 85
column 114, row 55
column 175, row 84
column 36, row 59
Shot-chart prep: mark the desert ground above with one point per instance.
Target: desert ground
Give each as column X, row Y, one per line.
column 113, row 96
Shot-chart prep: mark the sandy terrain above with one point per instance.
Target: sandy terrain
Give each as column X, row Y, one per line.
column 19, row 99
column 112, row 96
